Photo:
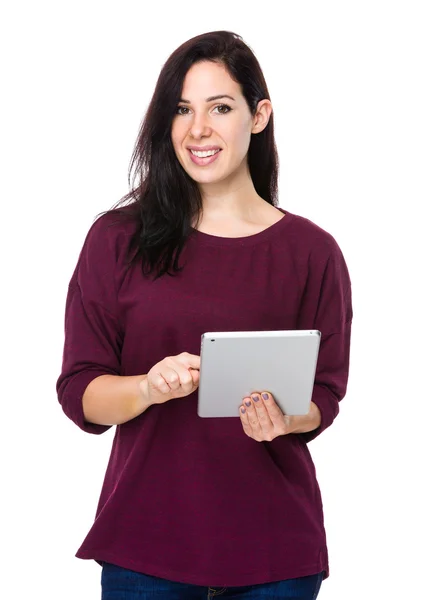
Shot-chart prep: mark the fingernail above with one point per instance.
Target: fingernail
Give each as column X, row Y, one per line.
column 256, row 398
column 265, row 396
column 248, row 402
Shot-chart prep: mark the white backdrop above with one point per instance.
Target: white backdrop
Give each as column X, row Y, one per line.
column 347, row 85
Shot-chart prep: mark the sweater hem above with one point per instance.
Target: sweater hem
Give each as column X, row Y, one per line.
column 210, row 580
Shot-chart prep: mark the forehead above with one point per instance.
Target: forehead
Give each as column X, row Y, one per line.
column 206, row 79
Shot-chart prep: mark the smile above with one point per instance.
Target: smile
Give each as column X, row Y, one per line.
column 204, row 158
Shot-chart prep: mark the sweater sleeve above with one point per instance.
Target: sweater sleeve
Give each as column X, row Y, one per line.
column 93, row 339
column 327, row 306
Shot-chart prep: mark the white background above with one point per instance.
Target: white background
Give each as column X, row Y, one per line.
column 347, row 85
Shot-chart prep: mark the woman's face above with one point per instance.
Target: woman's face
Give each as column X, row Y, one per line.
column 224, row 123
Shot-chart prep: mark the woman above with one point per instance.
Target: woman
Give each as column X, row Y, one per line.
column 192, row 507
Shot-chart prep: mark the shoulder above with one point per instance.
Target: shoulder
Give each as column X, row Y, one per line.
column 114, row 222
column 313, row 236
column 111, row 230
column 318, row 249
column 104, row 250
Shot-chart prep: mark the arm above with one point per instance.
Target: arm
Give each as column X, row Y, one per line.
column 306, row 423
column 327, row 306
column 90, row 388
column 112, row 400
column 330, row 382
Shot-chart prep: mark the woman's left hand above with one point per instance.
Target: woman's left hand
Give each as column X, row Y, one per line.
column 262, row 419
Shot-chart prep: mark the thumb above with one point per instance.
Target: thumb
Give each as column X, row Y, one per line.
column 195, row 375
column 192, row 361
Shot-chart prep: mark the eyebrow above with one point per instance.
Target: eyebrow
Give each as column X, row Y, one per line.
column 211, row 98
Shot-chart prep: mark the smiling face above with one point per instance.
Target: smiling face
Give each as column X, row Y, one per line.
column 213, row 112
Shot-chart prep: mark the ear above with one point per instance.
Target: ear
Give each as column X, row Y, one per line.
column 262, row 116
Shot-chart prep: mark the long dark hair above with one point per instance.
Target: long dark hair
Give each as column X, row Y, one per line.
column 167, row 200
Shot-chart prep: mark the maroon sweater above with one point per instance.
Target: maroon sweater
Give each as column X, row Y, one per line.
column 191, row 499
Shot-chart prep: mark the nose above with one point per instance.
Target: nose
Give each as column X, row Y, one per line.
column 200, row 126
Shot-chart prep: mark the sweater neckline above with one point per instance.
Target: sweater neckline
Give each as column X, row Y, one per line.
column 248, row 240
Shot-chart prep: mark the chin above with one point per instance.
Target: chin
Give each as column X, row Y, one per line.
column 208, row 178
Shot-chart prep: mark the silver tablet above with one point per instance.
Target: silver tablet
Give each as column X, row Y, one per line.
column 234, row 364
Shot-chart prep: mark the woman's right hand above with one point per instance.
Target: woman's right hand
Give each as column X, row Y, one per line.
column 172, row 377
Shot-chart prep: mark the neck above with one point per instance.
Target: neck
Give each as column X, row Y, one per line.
column 234, row 199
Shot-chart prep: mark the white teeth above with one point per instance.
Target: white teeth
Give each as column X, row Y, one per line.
column 204, row 154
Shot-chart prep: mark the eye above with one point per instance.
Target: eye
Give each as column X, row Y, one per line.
column 224, row 106
column 220, row 106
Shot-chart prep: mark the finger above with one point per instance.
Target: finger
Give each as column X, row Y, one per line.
column 192, row 361
column 158, row 382
column 181, row 378
column 187, row 379
column 195, row 376
column 245, row 421
column 263, row 416
column 276, row 415
column 251, row 414
column 170, row 377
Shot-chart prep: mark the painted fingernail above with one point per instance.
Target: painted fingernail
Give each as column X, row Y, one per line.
column 265, row 396
column 248, row 402
column 256, row 398
column 243, row 410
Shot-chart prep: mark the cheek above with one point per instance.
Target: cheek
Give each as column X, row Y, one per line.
column 239, row 146
column 176, row 136
column 239, row 137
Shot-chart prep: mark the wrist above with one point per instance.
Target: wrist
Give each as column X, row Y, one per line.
column 143, row 399
column 308, row 422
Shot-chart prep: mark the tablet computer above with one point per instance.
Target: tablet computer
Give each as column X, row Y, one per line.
column 235, row 364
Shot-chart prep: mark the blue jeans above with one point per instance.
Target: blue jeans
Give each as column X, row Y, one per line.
column 123, row 584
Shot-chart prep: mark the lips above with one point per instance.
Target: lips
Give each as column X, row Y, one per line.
column 207, row 160
column 203, row 148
